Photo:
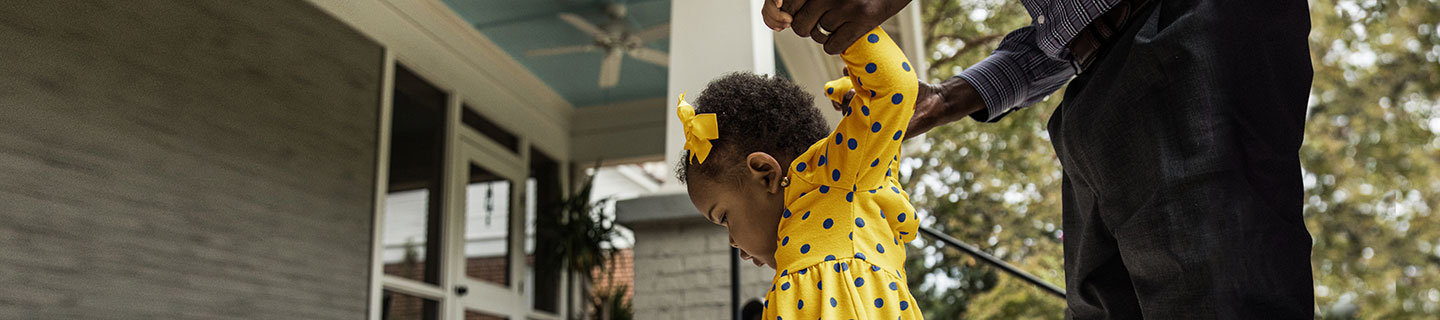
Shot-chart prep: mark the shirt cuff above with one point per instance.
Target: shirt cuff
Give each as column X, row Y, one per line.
column 1001, row 84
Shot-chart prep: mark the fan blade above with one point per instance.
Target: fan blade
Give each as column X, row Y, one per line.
column 651, row 55
column 559, row 50
column 585, row 26
column 655, row 32
column 610, row 69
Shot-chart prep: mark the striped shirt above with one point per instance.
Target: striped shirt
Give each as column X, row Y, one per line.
column 1032, row 62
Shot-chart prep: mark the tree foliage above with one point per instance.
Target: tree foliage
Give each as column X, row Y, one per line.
column 1371, row 162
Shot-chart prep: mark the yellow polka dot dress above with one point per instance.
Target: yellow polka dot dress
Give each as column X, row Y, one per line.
column 841, row 250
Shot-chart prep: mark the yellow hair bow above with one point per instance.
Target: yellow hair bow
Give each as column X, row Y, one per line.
column 699, row 130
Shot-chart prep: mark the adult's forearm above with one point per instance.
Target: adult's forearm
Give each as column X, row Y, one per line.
column 943, row 103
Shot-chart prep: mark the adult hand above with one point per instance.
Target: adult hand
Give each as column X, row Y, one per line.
column 942, row 103
column 846, row 20
column 937, row 104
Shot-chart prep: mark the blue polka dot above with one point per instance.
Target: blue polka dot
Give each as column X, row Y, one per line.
column 822, row 160
column 873, row 38
column 898, row 134
column 785, row 241
column 879, row 248
column 785, row 286
column 872, row 191
column 805, row 248
column 859, row 222
column 830, row 90
column 894, row 286
column 844, row 266
column 864, row 110
column 786, row 213
column 904, row 305
column 806, row 216
column 859, row 282
column 879, row 302
column 824, row 189
column 870, row 67
column 872, row 93
column 897, row 190
column 819, row 285
column 872, row 164
column 857, row 81
column 839, row 138
column 802, row 271
column 828, row 223
column 852, row 235
column 800, row 167
column 860, row 256
column 835, row 174
column 850, row 197
column 854, row 144
column 800, row 304
column 875, row 127
column 785, row 272
column 874, row 268
column 833, row 302
column 905, row 65
column 830, row 257
column 901, row 217
column 882, row 213
column 837, row 267
column 897, row 98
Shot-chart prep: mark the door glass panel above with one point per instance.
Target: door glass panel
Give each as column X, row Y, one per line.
column 487, row 227
column 412, row 201
column 542, row 205
column 399, row 306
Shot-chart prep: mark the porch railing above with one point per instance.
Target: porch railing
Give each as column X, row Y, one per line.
column 992, row 260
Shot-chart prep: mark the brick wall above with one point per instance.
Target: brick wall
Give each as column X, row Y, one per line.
column 682, row 271
column 178, row 159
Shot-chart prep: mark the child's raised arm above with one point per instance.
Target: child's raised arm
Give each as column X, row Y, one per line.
column 869, row 136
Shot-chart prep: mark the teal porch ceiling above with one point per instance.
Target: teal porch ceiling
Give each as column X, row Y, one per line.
column 518, row 26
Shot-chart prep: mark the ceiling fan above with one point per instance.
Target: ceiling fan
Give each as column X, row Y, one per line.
column 617, row 39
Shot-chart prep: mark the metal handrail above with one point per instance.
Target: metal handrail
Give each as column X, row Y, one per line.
column 987, row 258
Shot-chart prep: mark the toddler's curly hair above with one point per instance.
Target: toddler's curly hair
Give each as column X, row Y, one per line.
column 755, row 113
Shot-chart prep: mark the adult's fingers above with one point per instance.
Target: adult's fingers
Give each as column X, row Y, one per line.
column 817, row 35
column 804, row 19
column 844, row 36
column 791, row 6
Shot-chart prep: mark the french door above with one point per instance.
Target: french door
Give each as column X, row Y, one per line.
column 455, row 234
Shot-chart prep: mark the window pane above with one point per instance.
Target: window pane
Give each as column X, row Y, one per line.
column 399, row 306
column 475, row 315
column 412, row 202
column 487, row 227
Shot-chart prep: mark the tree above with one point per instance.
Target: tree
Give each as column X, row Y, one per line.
column 1371, row 159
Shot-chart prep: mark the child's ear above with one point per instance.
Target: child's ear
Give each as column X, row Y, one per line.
column 766, row 170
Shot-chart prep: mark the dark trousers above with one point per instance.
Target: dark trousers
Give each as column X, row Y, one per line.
column 1182, row 186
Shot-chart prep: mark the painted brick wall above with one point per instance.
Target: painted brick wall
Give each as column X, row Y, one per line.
column 179, row 159
column 682, row 271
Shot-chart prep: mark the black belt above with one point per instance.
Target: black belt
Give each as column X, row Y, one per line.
column 1086, row 45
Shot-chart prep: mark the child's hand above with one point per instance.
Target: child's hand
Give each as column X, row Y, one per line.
column 774, row 18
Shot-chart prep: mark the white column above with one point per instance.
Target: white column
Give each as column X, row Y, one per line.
column 709, row 38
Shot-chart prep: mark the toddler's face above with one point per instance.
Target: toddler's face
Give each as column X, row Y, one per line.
column 749, row 210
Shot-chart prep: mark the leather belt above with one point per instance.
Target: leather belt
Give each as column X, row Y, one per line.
column 1086, row 45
